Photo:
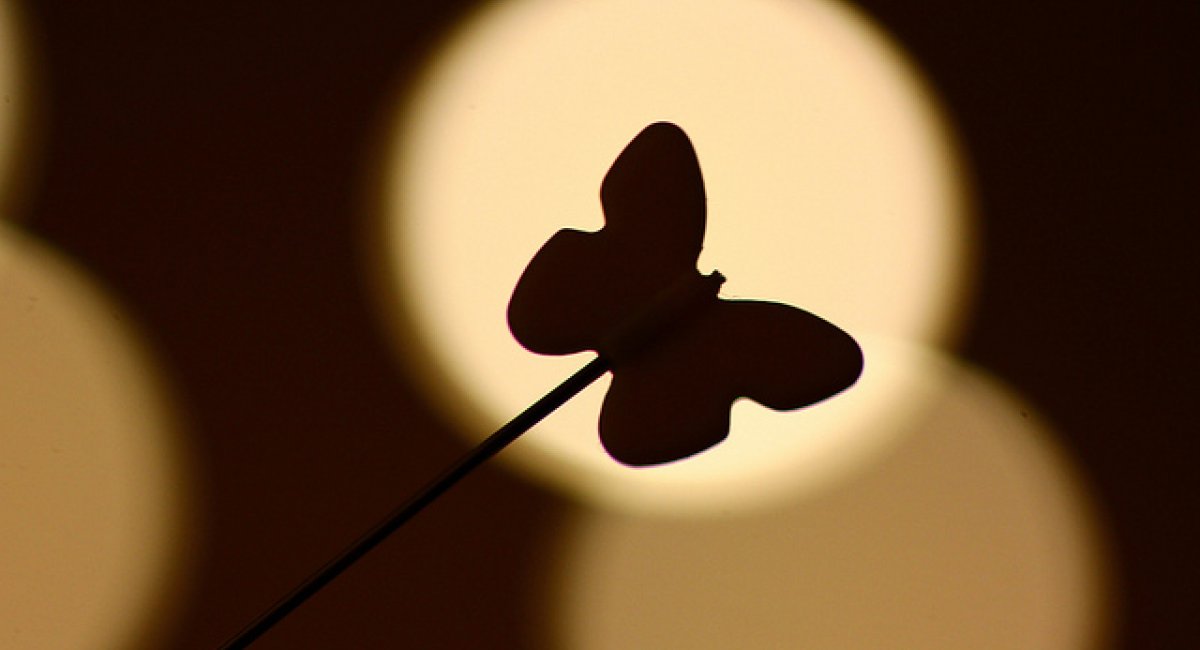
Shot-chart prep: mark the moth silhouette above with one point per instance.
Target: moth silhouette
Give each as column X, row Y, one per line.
column 680, row 355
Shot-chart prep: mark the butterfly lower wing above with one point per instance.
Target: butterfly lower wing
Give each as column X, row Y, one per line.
column 662, row 407
column 674, row 401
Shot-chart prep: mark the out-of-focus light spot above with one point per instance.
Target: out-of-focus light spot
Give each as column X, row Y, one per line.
column 831, row 183
column 92, row 487
column 971, row 532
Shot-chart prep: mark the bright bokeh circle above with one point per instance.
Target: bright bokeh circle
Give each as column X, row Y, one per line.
column 973, row 531
column 93, row 488
column 93, row 481
column 831, row 183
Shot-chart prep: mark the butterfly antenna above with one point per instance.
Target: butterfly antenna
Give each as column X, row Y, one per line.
column 472, row 459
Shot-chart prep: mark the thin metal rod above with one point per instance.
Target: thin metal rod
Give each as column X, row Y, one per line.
column 485, row 450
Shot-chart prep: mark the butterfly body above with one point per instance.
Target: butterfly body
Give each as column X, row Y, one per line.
column 680, row 354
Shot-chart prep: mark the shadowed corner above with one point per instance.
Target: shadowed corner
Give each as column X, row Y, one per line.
column 20, row 119
column 680, row 355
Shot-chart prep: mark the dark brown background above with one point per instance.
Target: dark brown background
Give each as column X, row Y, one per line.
column 209, row 162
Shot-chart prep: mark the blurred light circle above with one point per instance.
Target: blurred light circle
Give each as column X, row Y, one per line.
column 93, row 484
column 973, row 532
column 831, row 181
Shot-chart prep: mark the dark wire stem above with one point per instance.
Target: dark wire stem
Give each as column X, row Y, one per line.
column 474, row 458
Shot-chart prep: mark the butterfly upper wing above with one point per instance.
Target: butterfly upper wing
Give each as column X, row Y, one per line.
column 675, row 402
column 581, row 286
column 654, row 203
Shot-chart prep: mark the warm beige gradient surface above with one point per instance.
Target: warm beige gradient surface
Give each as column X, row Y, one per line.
column 92, row 484
column 973, row 532
column 831, row 182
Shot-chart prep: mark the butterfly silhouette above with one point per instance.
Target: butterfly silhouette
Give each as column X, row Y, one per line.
column 680, row 355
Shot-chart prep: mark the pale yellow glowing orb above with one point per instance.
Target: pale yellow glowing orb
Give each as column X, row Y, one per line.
column 92, row 483
column 831, row 185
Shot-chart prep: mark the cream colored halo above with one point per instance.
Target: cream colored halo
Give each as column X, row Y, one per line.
column 831, row 183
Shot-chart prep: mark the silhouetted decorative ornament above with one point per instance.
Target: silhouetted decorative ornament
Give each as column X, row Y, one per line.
column 680, row 355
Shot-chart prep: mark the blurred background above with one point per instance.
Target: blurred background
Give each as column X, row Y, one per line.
column 203, row 400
